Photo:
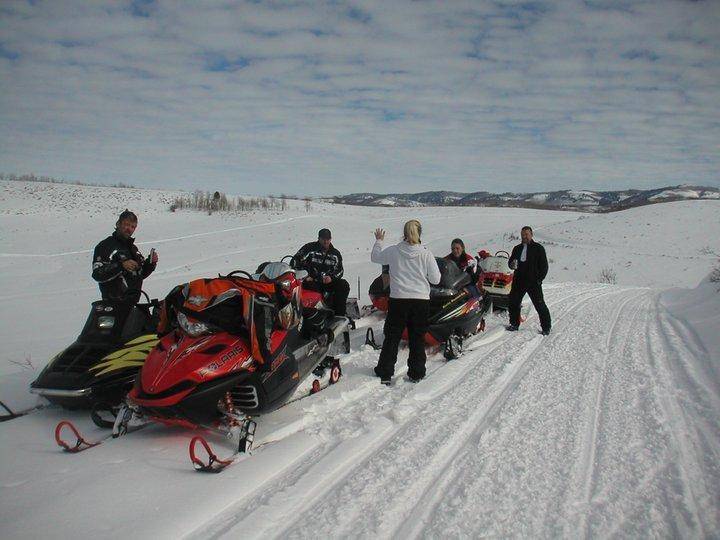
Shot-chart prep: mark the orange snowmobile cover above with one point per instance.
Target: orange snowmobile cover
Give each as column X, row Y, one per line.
column 204, row 293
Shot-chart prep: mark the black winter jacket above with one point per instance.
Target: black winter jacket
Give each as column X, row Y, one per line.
column 107, row 268
column 317, row 262
column 535, row 268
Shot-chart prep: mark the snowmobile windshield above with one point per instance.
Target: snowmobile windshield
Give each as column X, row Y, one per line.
column 194, row 328
column 274, row 270
column 451, row 277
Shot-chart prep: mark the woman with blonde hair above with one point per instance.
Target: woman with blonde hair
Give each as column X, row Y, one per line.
column 412, row 270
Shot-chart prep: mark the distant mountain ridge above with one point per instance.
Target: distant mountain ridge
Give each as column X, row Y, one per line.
column 569, row 199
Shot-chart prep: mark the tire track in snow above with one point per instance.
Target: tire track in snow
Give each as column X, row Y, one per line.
column 507, row 382
column 233, row 517
column 697, row 476
column 425, row 429
column 421, row 516
column 588, row 454
column 525, row 452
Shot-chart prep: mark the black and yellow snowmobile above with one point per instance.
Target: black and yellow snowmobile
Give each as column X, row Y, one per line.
column 100, row 366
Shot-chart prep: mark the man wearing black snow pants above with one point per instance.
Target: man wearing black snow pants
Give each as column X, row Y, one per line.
column 325, row 270
column 530, row 263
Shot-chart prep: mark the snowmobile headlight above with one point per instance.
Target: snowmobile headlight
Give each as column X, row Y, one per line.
column 106, row 322
column 192, row 328
column 286, row 284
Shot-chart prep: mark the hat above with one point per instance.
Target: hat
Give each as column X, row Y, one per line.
column 325, row 234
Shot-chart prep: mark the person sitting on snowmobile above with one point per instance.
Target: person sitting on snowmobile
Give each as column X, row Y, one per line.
column 118, row 266
column 461, row 258
column 464, row 261
column 324, row 266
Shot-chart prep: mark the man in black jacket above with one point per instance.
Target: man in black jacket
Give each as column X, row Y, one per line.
column 323, row 264
column 118, row 265
column 529, row 261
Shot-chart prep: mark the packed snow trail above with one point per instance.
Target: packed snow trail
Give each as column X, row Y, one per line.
column 559, row 436
column 607, row 426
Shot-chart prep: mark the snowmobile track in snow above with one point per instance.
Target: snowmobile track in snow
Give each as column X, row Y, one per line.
column 588, row 455
column 293, row 484
column 573, row 434
column 697, row 456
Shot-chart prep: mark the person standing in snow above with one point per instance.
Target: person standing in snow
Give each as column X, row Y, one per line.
column 324, row 266
column 529, row 261
column 118, row 266
column 412, row 268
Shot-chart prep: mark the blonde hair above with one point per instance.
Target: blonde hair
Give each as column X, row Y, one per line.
column 412, row 231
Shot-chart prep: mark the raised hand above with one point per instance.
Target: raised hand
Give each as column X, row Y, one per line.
column 379, row 234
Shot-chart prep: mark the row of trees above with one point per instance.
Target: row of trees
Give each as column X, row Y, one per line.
column 205, row 201
column 51, row 180
column 219, row 202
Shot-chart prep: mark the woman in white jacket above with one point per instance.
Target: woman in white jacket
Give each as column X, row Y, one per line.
column 412, row 270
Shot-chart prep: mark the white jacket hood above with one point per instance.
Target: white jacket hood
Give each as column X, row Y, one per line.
column 412, row 269
column 410, row 251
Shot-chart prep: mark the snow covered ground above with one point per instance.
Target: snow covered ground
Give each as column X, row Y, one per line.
column 608, row 427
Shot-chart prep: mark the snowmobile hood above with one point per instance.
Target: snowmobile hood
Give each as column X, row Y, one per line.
column 179, row 358
column 410, row 251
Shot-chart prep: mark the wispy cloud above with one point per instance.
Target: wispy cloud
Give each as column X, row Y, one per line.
column 332, row 97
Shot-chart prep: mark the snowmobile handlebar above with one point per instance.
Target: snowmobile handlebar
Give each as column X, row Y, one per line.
column 502, row 253
column 130, row 292
column 236, row 273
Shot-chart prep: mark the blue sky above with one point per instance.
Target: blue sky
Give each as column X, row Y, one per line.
column 336, row 97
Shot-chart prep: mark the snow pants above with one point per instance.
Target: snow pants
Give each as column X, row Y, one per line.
column 339, row 290
column 402, row 313
column 534, row 290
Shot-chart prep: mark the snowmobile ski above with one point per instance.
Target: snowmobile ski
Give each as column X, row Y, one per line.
column 80, row 442
column 453, row 347
column 121, row 426
column 328, row 371
column 213, row 464
column 370, row 339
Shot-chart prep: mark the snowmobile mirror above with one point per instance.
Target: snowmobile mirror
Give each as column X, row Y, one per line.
column 106, row 322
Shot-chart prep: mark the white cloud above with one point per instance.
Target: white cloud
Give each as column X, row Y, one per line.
column 313, row 97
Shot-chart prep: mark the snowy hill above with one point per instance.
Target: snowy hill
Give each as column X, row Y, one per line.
column 610, row 426
column 579, row 200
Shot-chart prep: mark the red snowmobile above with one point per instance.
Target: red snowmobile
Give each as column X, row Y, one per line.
column 456, row 309
column 235, row 346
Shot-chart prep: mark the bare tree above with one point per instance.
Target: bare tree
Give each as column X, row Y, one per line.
column 715, row 274
column 607, row 275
